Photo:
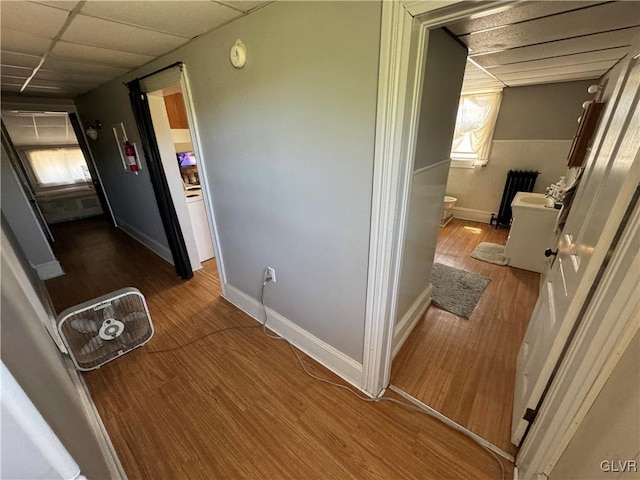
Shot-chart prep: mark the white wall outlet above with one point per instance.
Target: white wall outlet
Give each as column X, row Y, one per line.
column 270, row 274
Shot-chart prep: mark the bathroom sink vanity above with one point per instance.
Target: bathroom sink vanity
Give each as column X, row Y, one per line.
column 532, row 231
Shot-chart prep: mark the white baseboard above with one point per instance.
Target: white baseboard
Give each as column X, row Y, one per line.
column 471, row 214
column 407, row 323
column 49, row 270
column 153, row 245
column 336, row 361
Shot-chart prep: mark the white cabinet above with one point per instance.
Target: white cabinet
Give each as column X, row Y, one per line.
column 532, row 231
column 200, row 227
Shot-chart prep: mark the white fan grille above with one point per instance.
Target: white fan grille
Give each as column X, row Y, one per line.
column 105, row 328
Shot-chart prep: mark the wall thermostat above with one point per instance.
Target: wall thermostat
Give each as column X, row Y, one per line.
column 238, row 54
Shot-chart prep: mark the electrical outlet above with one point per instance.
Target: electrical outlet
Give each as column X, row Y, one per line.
column 270, row 274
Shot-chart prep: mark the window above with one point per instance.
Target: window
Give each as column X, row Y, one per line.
column 477, row 114
column 58, row 167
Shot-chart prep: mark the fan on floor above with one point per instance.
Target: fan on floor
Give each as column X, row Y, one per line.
column 102, row 329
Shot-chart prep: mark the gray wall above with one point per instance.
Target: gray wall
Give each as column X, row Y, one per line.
column 611, row 430
column 534, row 131
column 440, row 90
column 37, row 365
column 131, row 196
column 21, row 217
column 288, row 147
column 541, row 112
column 444, row 72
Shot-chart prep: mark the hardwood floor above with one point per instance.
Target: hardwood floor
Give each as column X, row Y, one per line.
column 465, row 369
column 236, row 404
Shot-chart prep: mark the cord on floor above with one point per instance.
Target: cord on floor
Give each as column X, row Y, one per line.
column 313, row 375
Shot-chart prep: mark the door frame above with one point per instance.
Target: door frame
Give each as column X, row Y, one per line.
column 404, row 29
column 207, row 197
column 37, row 104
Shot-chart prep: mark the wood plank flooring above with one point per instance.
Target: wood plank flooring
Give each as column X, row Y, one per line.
column 236, row 404
column 465, row 369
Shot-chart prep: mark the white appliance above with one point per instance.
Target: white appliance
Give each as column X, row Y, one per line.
column 102, row 329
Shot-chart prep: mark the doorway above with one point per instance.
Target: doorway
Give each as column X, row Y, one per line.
column 49, row 156
column 400, row 120
column 182, row 168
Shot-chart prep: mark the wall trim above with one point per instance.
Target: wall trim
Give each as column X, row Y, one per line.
column 408, row 322
column 339, row 363
column 153, row 245
column 471, row 214
column 429, row 167
column 49, row 270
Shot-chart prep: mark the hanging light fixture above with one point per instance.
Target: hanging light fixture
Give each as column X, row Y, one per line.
column 92, row 130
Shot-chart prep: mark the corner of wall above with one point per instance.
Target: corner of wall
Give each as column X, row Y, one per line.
column 408, row 322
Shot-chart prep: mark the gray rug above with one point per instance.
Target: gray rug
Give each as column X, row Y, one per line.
column 455, row 290
column 490, row 253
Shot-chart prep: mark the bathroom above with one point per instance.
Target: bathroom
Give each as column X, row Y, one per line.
column 464, row 366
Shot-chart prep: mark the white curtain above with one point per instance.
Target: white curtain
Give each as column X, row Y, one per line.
column 477, row 115
column 60, row 166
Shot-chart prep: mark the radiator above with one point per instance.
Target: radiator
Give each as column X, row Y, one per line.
column 517, row 181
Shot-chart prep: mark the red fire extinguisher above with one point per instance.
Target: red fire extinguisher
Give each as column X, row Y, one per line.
column 130, row 152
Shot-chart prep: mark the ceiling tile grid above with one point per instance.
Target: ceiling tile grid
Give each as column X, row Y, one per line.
column 520, row 43
column 526, row 43
column 84, row 44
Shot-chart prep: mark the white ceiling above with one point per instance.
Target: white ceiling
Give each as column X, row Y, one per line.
column 39, row 128
column 526, row 43
column 74, row 46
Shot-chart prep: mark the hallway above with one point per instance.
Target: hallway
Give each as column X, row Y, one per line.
column 465, row 369
column 236, row 404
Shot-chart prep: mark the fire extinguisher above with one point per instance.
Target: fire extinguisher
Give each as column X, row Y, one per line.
column 130, row 152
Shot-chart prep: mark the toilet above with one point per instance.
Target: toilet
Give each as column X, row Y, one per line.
column 447, row 213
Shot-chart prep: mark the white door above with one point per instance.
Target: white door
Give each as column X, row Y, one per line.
column 610, row 179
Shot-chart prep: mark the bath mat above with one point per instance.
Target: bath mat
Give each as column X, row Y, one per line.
column 455, row 290
column 490, row 253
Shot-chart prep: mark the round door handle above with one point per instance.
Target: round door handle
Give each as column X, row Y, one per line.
column 548, row 252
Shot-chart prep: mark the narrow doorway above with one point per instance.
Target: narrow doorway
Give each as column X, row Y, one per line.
column 56, row 175
column 465, row 368
column 174, row 136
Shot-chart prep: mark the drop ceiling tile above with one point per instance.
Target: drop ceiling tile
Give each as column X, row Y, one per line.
column 67, row 5
column 85, row 53
column 53, row 121
column 515, row 13
column 187, row 19
column 569, row 46
column 14, row 71
column 612, row 56
column 571, row 70
column 17, row 41
column 104, row 33
column 11, row 88
column 517, row 82
column 88, row 69
column 19, row 59
column 600, row 18
column 12, row 79
column 82, row 77
column 242, row 5
column 40, row 20
column 14, row 121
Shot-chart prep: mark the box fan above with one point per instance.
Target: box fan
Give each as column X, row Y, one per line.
column 102, row 329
